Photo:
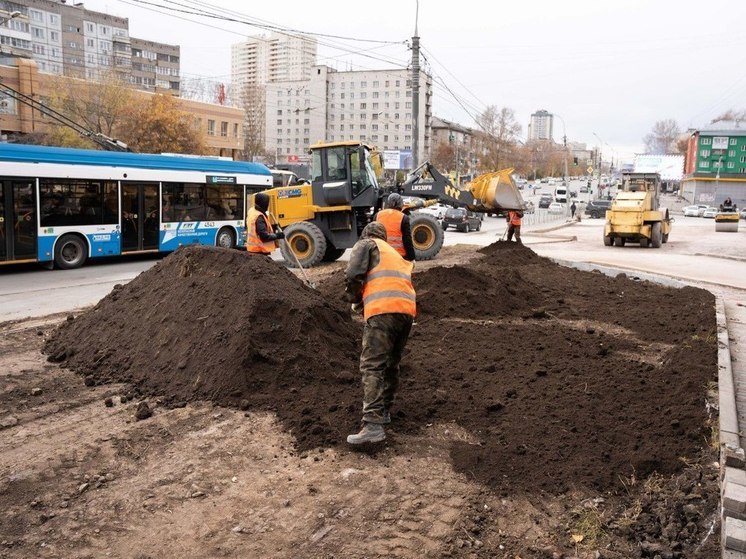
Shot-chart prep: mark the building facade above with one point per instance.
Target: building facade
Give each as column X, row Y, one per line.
column 715, row 164
column 373, row 106
column 221, row 126
column 67, row 39
column 278, row 57
column 541, row 126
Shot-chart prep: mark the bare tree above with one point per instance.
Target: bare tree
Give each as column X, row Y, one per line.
column 730, row 114
column 253, row 102
column 444, row 157
column 498, row 136
column 663, row 138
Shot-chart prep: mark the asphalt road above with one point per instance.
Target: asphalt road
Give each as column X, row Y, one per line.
column 695, row 252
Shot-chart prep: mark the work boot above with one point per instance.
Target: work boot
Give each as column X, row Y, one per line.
column 370, row 433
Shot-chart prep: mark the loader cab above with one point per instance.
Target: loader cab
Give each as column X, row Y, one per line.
column 647, row 183
column 342, row 174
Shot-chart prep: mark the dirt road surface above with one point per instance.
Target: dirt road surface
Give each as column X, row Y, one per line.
column 81, row 477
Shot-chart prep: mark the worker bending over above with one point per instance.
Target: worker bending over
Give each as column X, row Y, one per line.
column 260, row 238
column 379, row 283
column 398, row 229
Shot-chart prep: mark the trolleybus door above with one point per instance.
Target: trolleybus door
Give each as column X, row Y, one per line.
column 140, row 217
column 17, row 221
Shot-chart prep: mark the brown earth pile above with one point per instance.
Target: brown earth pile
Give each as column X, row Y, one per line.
column 563, row 378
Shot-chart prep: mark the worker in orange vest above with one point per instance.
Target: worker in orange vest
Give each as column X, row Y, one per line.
column 398, row 230
column 260, row 237
column 379, row 284
column 514, row 225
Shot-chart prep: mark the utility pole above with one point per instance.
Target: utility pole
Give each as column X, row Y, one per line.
column 416, row 92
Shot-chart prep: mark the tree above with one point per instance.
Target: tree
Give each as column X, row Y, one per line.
column 253, row 102
column 663, row 138
column 498, row 137
column 444, row 157
column 730, row 114
column 159, row 125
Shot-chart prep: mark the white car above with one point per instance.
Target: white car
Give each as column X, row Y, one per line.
column 436, row 210
column 710, row 212
column 556, row 208
column 691, row 211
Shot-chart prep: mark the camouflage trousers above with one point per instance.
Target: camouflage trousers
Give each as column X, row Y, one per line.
column 384, row 338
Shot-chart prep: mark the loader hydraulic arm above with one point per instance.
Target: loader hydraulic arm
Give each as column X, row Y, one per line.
column 490, row 192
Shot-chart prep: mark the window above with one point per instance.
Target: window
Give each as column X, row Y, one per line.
column 363, row 84
column 705, row 153
column 341, row 95
column 397, row 83
column 407, row 127
column 36, row 16
column 375, row 95
column 91, row 43
column 743, row 147
column 731, row 164
column 363, row 105
column 363, row 95
column 732, row 153
column 224, row 129
column 279, row 112
column 223, row 202
column 375, row 84
column 374, row 116
column 408, row 105
column 53, row 19
column 77, row 202
column 210, row 127
column 184, row 202
column 706, row 141
column 375, row 106
column 37, row 33
column 733, row 141
column 704, row 164
column 387, row 83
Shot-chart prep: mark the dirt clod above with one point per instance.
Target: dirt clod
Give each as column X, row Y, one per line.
column 143, row 411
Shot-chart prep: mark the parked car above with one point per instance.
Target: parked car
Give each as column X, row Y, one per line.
column 743, row 213
column 462, row 220
column 556, row 208
column 692, row 211
column 545, row 200
column 597, row 208
column 438, row 211
column 583, row 189
column 710, row 212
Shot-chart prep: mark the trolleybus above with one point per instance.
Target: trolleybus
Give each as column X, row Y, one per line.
column 63, row 206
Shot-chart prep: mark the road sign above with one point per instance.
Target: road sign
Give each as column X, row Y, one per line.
column 590, row 170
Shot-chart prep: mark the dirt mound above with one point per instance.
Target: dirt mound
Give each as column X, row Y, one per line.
column 222, row 325
column 561, row 378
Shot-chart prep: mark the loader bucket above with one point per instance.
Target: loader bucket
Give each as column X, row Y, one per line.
column 497, row 191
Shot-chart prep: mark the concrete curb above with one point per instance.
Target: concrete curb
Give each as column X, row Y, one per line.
column 732, row 455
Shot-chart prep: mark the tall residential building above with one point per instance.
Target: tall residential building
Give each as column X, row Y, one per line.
column 373, row 106
column 155, row 66
column 277, row 57
column 541, row 126
column 67, row 39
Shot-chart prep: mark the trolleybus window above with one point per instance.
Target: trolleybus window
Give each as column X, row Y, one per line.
column 76, row 202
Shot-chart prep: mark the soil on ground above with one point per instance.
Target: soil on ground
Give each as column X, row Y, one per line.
column 543, row 412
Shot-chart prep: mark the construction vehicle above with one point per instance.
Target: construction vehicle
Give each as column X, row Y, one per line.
column 726, row 220
column 323, row 219
column 635, row 214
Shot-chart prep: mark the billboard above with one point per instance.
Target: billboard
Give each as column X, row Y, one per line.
column 396, row 159
column 720, row 142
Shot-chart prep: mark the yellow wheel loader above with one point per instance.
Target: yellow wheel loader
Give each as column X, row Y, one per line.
column 635, row 214
column 324, row 218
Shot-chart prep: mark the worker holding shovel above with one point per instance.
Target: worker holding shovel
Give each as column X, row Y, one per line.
column 260, row 239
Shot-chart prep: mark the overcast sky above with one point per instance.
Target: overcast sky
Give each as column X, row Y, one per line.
column 609, row 68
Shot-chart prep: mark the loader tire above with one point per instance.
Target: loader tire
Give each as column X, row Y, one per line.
column 307, row 242
column 427, row 236
column 608, row 241
column 656, row 237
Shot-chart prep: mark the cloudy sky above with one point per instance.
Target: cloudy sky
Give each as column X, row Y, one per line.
column 608, row 68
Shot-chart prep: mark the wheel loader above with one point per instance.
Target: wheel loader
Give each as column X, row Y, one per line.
column 324, row 218
column 635, row 214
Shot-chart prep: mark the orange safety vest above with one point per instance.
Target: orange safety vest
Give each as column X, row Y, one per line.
column 253, row 242
column 392, row 220
column 388, row 287
column 515, row 218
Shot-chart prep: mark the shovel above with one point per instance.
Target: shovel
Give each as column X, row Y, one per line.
column 309, row 283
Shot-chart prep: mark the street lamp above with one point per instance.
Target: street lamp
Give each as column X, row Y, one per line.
column 13, row 15
column 564, row 141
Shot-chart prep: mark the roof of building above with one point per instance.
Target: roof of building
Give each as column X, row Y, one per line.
column 724, row 128
column 669, row 167
column 23, row 153
column 438, row 122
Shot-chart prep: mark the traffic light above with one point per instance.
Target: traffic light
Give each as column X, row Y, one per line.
column 575, row 161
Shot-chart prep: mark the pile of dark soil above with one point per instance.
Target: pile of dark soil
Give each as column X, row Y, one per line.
column 226, row 326
column 563, row 378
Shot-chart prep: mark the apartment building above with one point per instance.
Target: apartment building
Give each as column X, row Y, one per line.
column 277, row 57
column 715, row 164
column 541, row 126
column 373, row 106
column 67, row 39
